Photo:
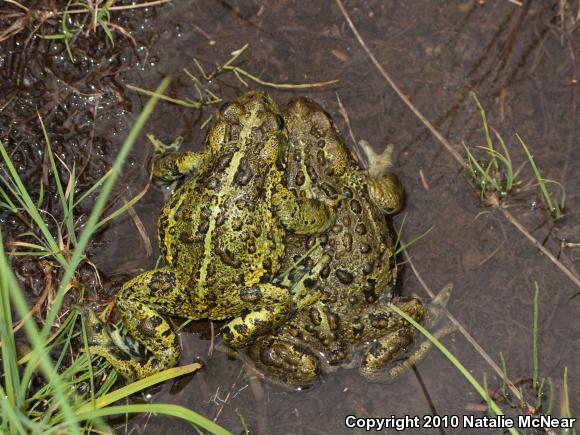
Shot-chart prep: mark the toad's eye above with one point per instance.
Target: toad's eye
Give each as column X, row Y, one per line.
column 280, row 122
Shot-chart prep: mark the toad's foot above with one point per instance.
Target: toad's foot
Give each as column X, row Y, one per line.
column 383, row 184
column 284, row 363
column 302, row 215
column 107, row 341
column 389, row 356
column 142, row 303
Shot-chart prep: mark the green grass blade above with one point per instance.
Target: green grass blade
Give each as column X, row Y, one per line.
column 40, row 199
column 30, row 207
column 565, row 403
column 106, row 29
column 489, row 402
column 94, row 187
column 540, row 394
column 11, row 375
column 66, row 33
column 173, row 410
column 7, row 200
column 485, row 127
column 54, row 37
column 55, row 174
column 504, row 375
column 403, row 246
column 69, row 217
column 399, row 232
column 190, row 104
column 98, row 208
column 468, row 376
column 139, row 385
column 484, row 172
column 121, row 210
column 548, row 409
column 535, row 335
column 507, row 160
column 562, row 192
column 51, row 375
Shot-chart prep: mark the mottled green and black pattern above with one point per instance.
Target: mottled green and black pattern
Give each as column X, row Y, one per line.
column 222, row 234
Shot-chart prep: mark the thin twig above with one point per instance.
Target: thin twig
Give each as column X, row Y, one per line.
column 18, row 5
column 212, row 340
column 398, row 91
column 509, row 217
column 241, row 72
column 512, row 220
column 118, row 8
column 355, row 146
column 141, row 229
column 229, row 394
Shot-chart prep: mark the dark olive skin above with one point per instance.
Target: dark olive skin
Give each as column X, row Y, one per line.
column 353, row 314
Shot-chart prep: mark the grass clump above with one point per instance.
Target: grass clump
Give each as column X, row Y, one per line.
column 77, row 18
column 70, row 27
column 494, row 173
column 47, row 385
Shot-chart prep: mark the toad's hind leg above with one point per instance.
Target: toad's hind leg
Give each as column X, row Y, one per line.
column 385, row 359
column 264, row 307
column 284, row 362
column 397, row 335
column 142, row 303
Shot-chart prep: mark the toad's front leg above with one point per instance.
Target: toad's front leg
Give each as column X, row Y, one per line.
column 171, row 166
column 272, row 305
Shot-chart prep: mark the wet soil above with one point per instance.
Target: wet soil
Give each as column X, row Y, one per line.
column 520, row 60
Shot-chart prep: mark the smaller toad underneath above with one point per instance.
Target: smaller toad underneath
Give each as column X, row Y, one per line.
column 352, row 323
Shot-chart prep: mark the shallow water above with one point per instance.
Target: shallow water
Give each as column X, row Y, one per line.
column 522, row 68
column 521, row 62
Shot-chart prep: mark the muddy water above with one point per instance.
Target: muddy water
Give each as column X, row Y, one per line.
column 521, row 63
column 520, row 60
